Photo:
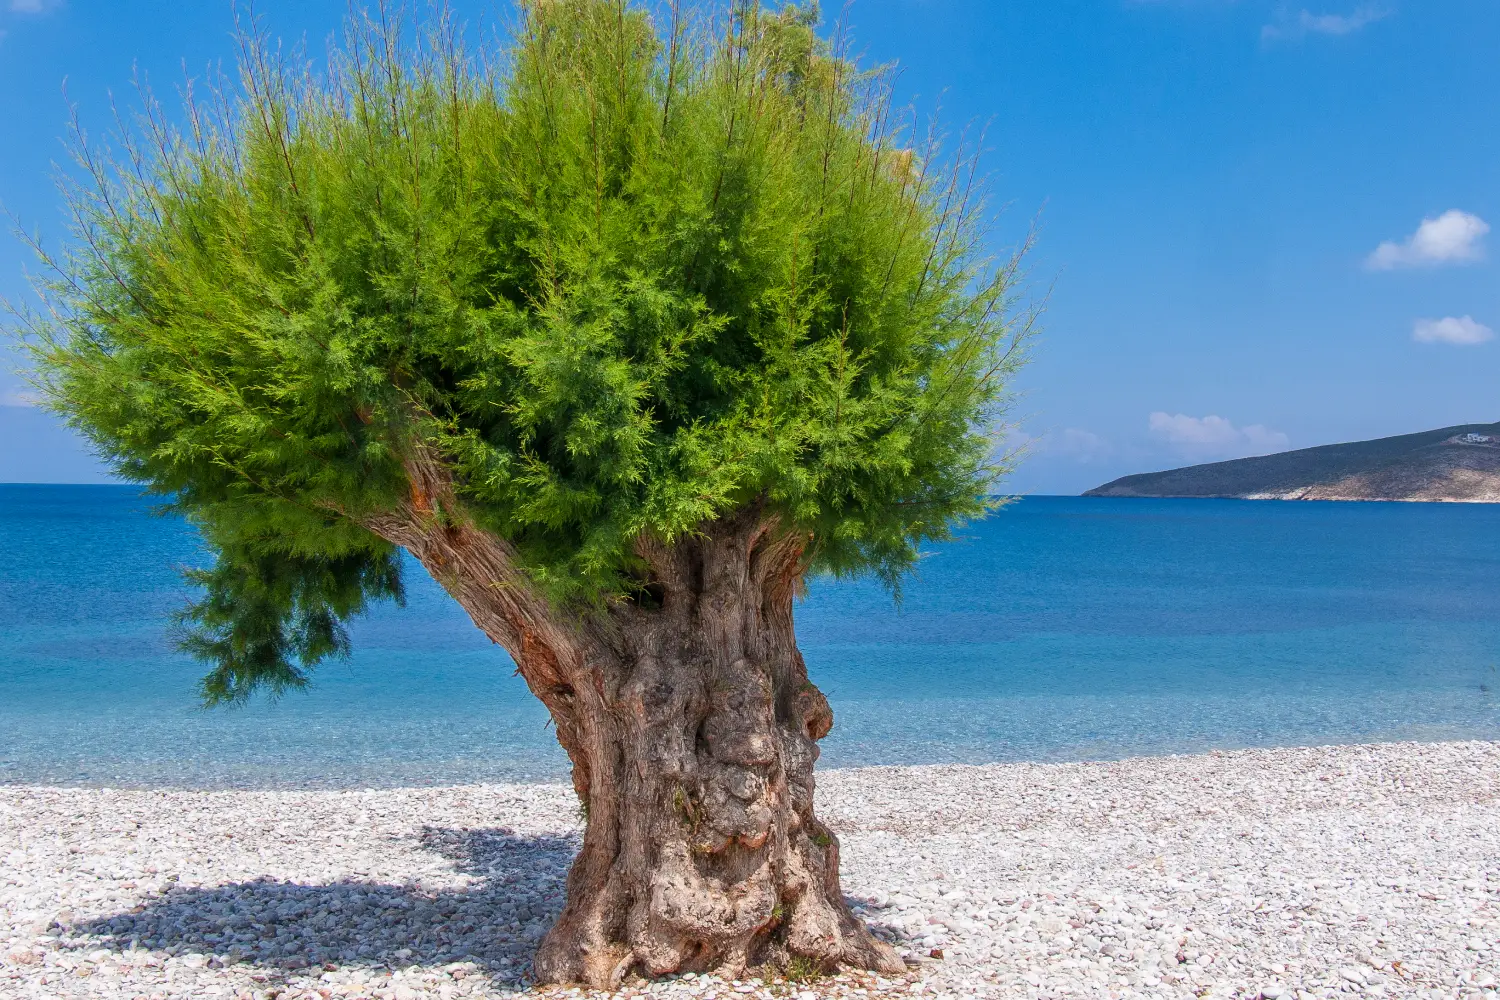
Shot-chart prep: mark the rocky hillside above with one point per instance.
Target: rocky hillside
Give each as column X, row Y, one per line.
column 1457, row 464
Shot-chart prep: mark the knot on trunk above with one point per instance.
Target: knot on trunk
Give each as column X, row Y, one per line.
column 741, row 726
column 814, row 711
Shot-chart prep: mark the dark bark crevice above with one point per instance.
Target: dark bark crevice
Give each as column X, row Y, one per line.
column 692, row 728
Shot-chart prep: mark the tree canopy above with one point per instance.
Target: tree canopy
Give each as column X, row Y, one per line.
column 623, row 272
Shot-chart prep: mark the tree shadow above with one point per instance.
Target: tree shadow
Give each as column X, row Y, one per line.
column 286, row 927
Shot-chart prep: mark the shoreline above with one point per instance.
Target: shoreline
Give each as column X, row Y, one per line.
column 1322, row 871
column 560, row 780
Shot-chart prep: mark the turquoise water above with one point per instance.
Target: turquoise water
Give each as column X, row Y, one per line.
column 1061, row 628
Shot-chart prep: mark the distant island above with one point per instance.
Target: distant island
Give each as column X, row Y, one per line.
column 1454, row 464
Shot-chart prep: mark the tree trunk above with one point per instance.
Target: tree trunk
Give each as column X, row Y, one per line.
column 692, row 729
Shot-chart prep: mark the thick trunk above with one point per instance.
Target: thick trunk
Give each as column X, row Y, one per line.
column 695, row 758
column 692, row 729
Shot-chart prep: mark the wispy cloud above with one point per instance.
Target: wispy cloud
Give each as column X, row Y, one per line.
column 1452, row 238
column 1078, row 444
column 1214, row 436
column 33, row 6
column 1290, row 26
column 1073, row 443
column 1464, row 331
column 15, row 397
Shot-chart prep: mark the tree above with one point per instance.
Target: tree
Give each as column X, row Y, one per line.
column 621, row 330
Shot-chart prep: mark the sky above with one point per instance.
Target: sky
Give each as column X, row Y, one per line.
column 1263, row 225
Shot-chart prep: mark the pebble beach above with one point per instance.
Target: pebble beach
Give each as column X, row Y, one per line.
column 1326, row 872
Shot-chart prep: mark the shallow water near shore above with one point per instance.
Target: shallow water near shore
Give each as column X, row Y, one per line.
column 1059, row 629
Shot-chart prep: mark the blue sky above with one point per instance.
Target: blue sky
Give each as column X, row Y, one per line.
column 1264, row 224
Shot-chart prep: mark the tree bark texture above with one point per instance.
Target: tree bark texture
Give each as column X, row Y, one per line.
column 692, row 729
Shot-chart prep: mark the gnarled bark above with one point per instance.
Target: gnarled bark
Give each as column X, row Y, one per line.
column 692, row 730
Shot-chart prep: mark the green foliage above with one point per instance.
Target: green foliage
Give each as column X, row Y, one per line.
column 264, row 613
column 625, row 275
column 801, row 969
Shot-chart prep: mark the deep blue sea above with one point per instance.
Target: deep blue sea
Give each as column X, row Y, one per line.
column 1058, row 629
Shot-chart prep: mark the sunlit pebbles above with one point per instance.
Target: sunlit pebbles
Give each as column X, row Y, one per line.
column 1355, row 871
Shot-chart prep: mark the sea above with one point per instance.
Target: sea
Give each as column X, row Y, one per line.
column 1058, row 629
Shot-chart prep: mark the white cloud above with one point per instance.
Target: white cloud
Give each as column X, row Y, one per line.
column 13, row 397
column 1215, row 437
column 1464, row 331
column 1297, row 26
column 33, row 6
column 1452, row 238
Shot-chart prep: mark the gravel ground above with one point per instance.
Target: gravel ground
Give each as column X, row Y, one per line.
column 1368, row 871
